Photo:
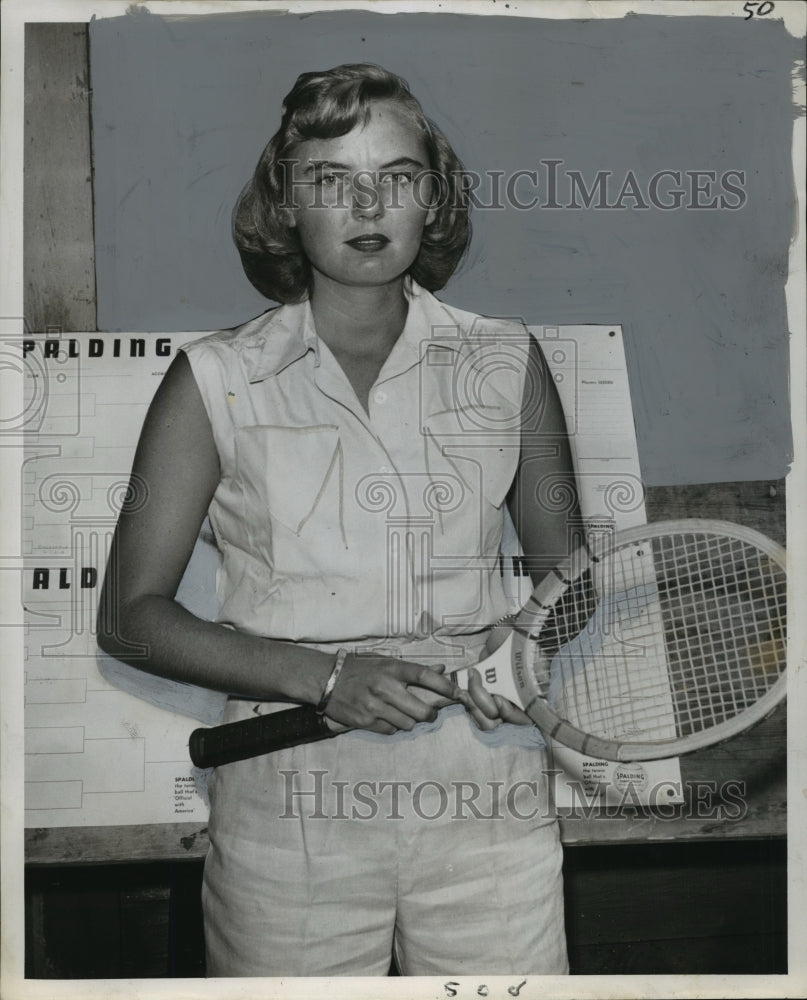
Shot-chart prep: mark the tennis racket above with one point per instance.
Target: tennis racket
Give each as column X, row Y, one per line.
column 645, row 644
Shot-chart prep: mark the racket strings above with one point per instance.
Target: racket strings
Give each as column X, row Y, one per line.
column 603, row 636
column 724, row 622
column 665, row 637
column 569, row 616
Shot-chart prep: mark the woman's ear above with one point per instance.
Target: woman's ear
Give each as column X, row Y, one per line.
column 287, row 217
column 431, row 215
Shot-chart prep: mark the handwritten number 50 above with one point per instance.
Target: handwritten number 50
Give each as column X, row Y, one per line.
column 753, row 7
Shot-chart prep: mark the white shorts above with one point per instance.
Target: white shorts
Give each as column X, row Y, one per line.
column 328, row 859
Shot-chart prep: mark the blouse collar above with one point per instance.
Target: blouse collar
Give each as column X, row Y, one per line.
column 282, row 336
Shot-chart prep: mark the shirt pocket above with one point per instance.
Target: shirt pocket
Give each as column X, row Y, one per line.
column 484, row 454
column 292, row 474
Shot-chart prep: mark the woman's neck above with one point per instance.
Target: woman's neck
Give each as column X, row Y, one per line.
column 359, row 320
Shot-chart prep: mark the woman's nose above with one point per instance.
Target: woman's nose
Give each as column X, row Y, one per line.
column 367, row 201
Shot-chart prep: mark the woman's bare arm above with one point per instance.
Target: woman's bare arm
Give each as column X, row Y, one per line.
column 545, row 472
column 176, row 469
column 543, row 499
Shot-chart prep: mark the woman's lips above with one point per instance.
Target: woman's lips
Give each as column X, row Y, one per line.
column 369, row 243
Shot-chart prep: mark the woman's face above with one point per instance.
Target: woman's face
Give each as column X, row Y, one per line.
column 356, row 200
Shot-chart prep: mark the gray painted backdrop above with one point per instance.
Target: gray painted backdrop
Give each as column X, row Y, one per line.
column 183, row 107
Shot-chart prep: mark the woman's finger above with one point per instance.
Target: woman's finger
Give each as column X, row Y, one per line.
column 479, row 704
column 511, row 713
column 482, row 698
column 401, row 720
column 481, row 721
column 430, row 677
column 382, row 727
column 409, row 704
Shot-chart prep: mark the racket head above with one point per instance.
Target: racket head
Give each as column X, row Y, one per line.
column 655, row 641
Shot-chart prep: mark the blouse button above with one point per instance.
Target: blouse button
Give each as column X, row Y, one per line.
column 380, row 396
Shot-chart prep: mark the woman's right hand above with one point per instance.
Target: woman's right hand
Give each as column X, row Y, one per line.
column 373, row 692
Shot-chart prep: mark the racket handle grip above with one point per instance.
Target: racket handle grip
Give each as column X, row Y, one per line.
column 217, row 745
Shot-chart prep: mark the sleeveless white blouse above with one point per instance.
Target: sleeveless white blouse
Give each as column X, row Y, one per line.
column 339, row 527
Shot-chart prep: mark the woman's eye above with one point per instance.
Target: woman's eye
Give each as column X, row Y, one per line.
column 329, row 180
column 399, row 177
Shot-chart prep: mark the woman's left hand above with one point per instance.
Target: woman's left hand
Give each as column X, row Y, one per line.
column 490, row 710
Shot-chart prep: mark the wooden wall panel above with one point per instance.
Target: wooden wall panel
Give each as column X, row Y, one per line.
column 651, row 909
column 677, row 908
column 58, row 246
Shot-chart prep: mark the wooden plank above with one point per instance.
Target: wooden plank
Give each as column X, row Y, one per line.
column 114, row 921
column 660, row 892
column 739, row 955
column 677, row 908
column 81, row 845
column 59, row 254
column 759, row 505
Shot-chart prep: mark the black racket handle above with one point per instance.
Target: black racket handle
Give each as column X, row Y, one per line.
column 253, row 737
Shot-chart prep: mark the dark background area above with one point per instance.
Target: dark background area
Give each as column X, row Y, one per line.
column 636, row 909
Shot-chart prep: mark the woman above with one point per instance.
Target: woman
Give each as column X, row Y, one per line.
column 355, row 448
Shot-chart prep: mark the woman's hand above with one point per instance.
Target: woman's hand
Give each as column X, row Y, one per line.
column 373, row 693
column 490, row 710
